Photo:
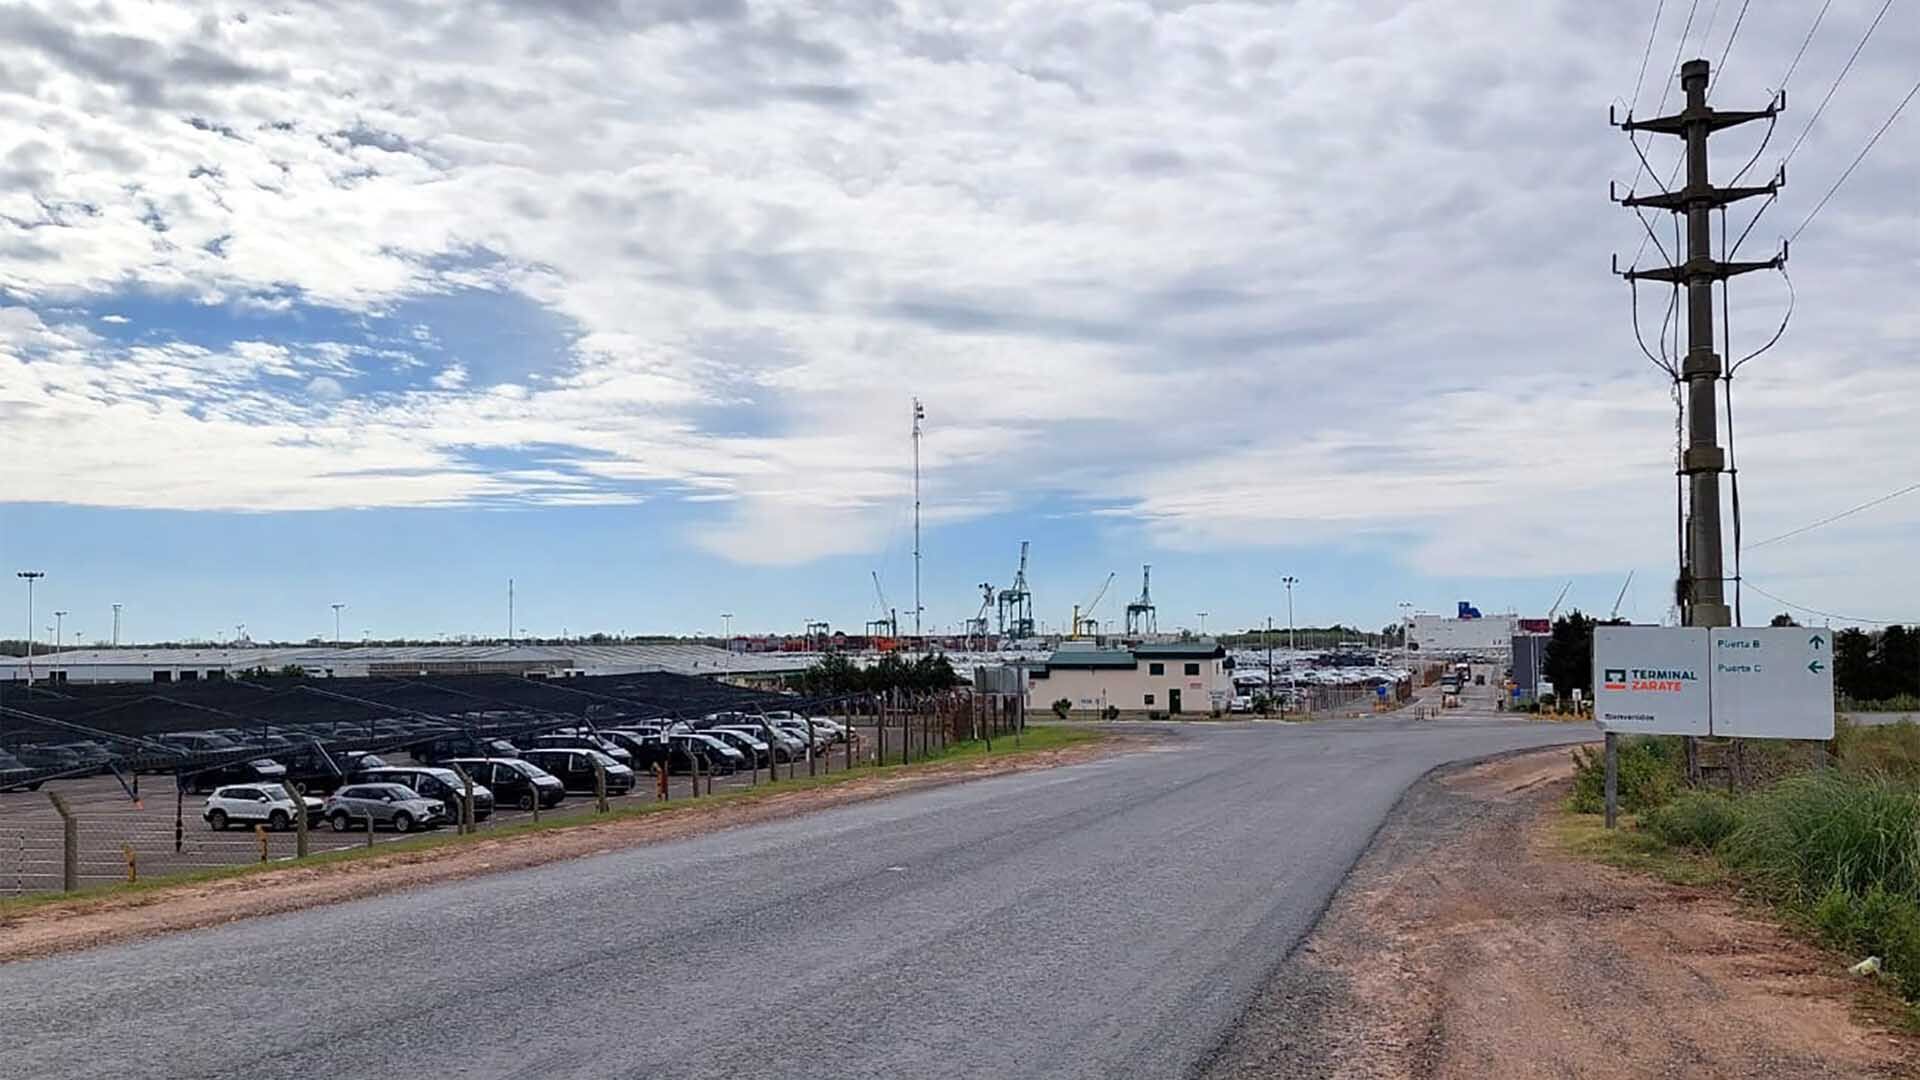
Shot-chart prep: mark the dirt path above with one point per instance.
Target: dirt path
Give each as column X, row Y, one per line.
column 1468, row 945
column 87, row 922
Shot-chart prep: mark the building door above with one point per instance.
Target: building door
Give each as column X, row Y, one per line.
column 1173, row 702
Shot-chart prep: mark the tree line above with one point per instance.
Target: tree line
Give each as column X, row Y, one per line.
column 835, row 674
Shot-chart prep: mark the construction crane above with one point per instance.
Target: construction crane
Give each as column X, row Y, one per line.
column 1140, row 617
column 1555, row 609
column 977, row 626
column 888, row 625
column 1081, row 622
column 1016, row 603
column 1615, row 613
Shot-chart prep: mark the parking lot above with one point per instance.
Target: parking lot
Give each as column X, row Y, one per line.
column 110, row 823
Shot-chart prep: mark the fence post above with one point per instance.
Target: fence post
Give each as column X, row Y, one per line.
column 1613, row 777
column 466, row 800
column 179, row 815
column 880, row 733
column 600, row 789
column 69, row 843
column 810, row 768
column 693, row 757
column 660, row 792
column 370, row 829
column 260, row 834
column 299, row 819
column 133, row 863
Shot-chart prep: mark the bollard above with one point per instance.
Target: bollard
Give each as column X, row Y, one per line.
column 260, row 834
column 600, row 789
column 69, row 843
column 133, row 863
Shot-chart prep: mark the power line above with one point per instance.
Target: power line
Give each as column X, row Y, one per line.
column 1897, row 109
column 1868, row 505
column 1804, row 42
column 1646, row 54
column 1734, row 33
column 1817, row 611
column 1842, row 77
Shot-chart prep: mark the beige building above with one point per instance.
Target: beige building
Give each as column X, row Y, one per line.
column 1171, row 677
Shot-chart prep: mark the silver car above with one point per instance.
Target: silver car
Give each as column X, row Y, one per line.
column 387, row 804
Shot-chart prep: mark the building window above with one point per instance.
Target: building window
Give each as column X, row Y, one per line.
column 1156, row 669
column 1193, row 669
column 163, row 676
column 1150, row 696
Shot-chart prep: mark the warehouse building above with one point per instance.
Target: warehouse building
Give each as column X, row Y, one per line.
column 1174, row 677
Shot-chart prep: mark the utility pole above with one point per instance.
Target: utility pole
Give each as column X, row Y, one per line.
column 509, row 611
column 919, row 414
column 31, row 576
column 116, row 626
column 1293, row 659
column 1701, row 588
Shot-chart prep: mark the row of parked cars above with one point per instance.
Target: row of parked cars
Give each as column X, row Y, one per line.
column 368, row 789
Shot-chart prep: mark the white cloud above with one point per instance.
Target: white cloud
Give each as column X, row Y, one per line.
column 1245, row 274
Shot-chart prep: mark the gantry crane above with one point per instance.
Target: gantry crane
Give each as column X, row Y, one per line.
column 977, row 627
column 1140, row 617
column 1016, row 603
column 888, row 625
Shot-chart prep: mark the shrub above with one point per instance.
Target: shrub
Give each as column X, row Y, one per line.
column 1652, row 769
column 1112, row 712
column 1062, row 707
column 1880, row 923
column 1699, row 820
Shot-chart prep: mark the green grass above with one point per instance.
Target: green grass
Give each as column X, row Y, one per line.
column 1652, row 770
column 1037, row 738
column 1628, row 848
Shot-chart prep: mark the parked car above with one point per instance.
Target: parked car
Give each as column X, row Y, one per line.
column 207, row 778
column 40, row 757
column 514, row 780
column 836, row 731
column 714, row 755
column 434, row 782
column 256, row 804
column 785, row 747
column 12, row 773
column 573, row 766
column 388, row 804
column 799, row 730
column 575, row 737
column 195, row 742
column 649, row 748
column 463, row 746
column 751, row 748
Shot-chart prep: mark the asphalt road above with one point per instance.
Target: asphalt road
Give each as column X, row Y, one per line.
column 1103, row 920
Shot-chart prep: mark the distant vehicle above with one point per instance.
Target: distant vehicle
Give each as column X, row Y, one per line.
column 237, row 772
column 388, row 804
column 255, row 804
column 817, row 736
column 195, row 742
column 574, row 768
column 1240, row 703
column 835, row 730
column 434, row 782
column 514, row 780
column 11, row 772
column 1479, row 680
column 786, row 747
column 40, row 757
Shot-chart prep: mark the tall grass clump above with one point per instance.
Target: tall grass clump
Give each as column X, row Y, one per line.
column 1885, row 750
column 1808, row 834
column 1697, row 820
column 1652, row 769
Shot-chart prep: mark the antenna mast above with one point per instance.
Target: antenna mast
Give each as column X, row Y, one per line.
column 919, row 414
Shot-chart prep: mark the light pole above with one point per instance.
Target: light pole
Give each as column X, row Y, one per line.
column 336, row 623
column 31, row 576
column 1203, row 623
column 59, row 625
column 726, row 621
column 1293, row 682
column 116, row 626
column 239, row 633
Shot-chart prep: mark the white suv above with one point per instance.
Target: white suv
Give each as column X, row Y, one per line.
column 255, row 804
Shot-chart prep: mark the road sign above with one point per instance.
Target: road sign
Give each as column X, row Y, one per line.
column 1651, row 680
column 1773, row 682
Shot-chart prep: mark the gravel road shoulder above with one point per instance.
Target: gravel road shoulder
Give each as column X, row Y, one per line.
column 86, row 922
column 1467, row 943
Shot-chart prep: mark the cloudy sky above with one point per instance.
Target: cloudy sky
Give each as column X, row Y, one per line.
column 386, row 303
